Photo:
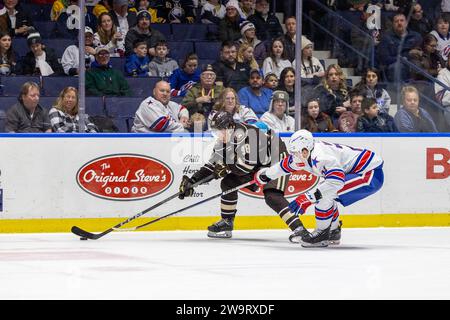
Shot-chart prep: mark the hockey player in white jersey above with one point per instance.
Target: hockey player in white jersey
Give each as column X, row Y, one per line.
column 349, row 174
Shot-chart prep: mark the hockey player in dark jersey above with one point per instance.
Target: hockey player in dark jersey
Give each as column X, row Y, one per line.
column 240, row 151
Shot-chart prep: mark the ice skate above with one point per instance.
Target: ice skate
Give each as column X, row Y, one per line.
column 298, row 234
column 221, row 229
column 335, row 235
column 317, row 238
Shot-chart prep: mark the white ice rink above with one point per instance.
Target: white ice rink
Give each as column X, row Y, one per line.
column 392, row 263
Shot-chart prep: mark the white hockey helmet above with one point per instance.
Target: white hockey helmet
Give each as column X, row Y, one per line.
column 301, row 139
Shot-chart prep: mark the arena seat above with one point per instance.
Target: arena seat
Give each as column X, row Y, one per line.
column 121, row 109
column 189, row 32
column 164, row 28
column 180, row 49
column 118, row 64
column 20, row 46
column 45, row 28
column 7, row 102
column 95, row 106
column 47, row 102
column 142, row 87
column 207, row 50
column 2, row 120
column 58, row 44
column 10, row 86
column 52, row 86
column 38, row 12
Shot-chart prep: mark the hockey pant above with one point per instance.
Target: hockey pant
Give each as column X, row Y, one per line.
column 356, row 187
column 273, row 195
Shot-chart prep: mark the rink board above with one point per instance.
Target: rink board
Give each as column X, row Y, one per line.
column 50, row 182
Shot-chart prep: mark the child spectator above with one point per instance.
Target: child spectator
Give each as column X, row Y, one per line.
column 108, row 37
column 277, row 60
column 40, row 60
column 271, row 81
column 212, row 12
column 136, row 64
column 371, row 89
column 249, row 36
column 314, row 120
column 182, row 79
column 373, row 121
column 245, row 55
column 7, row 55
column 348, row 119
column 161, row 65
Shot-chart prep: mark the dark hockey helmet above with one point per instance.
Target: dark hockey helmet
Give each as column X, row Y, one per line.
column 222, row 120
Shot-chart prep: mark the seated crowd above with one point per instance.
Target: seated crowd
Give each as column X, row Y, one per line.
column 253, row 76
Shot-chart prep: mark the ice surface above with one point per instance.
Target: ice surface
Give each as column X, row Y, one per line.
column 392, row 263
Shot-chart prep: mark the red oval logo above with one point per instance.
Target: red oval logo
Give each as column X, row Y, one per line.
column 124, row 177
column 299, row 182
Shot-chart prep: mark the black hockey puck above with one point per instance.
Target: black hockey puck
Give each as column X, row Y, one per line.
column 83, row 238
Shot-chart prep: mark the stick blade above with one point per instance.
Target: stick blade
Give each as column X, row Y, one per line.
column 82, row 233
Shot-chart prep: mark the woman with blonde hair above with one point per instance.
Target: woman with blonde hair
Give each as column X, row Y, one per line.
column 228, row 101
column 333, row 92
column 245, row 55
column 64, row 115
column 108, row 36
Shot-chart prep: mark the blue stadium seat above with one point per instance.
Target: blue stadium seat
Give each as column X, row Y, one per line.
column 121, row 109
column 20, row 46
column 58, row 44
column 47, row 102
column 10, row 86
column 164, row 29
column 7, row 102
column 95, row 106
column 189, row 31
column 2, row 120
column 118, row 64
column 52, row 86
column 180, row 49
column 142, row 87
column 207, row 50
column 38, row 12
column 45, row 28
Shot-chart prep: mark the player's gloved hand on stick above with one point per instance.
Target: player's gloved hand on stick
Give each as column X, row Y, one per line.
column 186, row 189
column 261, row 178
column 220, row 170
column 301, row 203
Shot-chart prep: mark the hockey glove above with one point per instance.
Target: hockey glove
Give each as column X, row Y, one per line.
column 186, row 189
column 220, row 170
column 260, row 177
column 301, row 203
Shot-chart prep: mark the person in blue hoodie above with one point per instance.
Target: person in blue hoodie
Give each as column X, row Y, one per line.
column 184, row 78
column 136, row 64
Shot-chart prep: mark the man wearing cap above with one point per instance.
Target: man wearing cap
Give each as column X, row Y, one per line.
column 267, row 25
column 40, row 60
column 123, row 19
column 143, row 32
column 277, row 117
column 70, row 59
column 256, row 96
column 102, row 79
column 200, row 99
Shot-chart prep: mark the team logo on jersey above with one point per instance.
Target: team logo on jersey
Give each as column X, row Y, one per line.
column 299, row 182
column 124, row 177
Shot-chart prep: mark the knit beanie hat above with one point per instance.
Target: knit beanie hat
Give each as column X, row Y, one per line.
column 246, row 25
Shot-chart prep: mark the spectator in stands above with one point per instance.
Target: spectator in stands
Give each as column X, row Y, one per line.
column 426, row 58
column 123, row 19
column 27, row 115
column 277, row 117
column 373, row 121
column 315, row 120
column 102, row 79
column 247, row 8
column 68, row 20
column 287, row 84
column 8, row 57
column 176, row 11
column 410, row 117
column 442, row 34
column 290, row 36
column 108, row 36
column 18, row 21
column 200, row 99
column 137, row 64
column 370, row 88
column 143, row 31
column 145, row 5
column 229, row 29
column 312, row 71
column 332, row 92
column 159, row 114
column 389, row 46
column 229, row 71
column 71, row 60
column 64, row 115
column 249, row 36
column 102, row 6
column 245, row 56
column 212, row 12
column 229, row 101
column 40, row 60
column 418, row 22
column 271, row 81
column 184, row 78
column 443, row 94
column 277, row 59
column 58, row 7
column 256, row 96
column 162, row 65
column 267, row 25
column 348, row 119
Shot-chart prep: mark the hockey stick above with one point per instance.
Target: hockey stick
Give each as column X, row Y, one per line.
column 94, row 236
column 188, row 207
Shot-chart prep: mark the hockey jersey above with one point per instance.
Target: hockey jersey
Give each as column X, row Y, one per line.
column 332, row 162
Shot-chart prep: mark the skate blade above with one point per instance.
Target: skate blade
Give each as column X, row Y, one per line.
column 334, row 242
column 224, row 234
column 320, row 244
column 295, row 239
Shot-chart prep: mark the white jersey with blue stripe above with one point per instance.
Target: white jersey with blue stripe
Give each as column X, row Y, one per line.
column 332, row 162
